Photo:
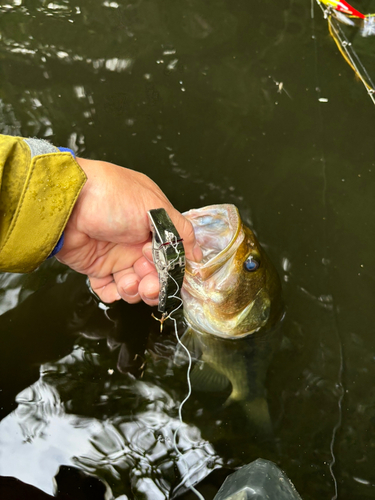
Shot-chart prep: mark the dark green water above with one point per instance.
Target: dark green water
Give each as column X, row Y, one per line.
column 187, row 93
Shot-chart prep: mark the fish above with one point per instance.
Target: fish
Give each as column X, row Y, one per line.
column 235, row 290
column 232, row 305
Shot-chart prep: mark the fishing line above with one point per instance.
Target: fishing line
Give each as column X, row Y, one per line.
column 350, row 55
column 339, row 421
column 346, row 49
column 175, row 434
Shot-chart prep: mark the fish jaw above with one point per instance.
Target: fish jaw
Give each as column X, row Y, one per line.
column 200, row 315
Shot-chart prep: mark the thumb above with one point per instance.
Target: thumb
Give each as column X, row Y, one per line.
column 186, row 232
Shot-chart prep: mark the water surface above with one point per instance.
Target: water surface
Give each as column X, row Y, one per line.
column 188, row 92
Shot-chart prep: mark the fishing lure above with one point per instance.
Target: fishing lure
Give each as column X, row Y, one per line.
column 339, row 11
column 169, row 258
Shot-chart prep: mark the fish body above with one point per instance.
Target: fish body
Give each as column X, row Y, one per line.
column 240, row 365
column 232, row 302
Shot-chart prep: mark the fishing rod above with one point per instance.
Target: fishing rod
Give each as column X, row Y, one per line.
column 339, row 12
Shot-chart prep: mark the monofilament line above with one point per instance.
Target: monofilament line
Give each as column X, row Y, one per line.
column 191, row 487
column 347, row 50
column 339, row 421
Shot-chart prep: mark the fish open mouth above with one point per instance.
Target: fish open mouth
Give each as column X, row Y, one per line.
column 218, row 232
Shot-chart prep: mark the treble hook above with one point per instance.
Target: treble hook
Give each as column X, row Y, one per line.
column 163, row 318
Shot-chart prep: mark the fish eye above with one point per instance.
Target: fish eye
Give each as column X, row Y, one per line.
column 251, row 264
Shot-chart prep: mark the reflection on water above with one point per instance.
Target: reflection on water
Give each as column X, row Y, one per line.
column 130, row 443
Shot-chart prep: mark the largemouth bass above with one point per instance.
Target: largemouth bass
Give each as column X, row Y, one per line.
column 234, row 294
column 235, row 291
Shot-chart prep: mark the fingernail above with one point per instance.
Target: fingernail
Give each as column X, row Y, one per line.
column 152, row 296
column 131, row 288
column 197, row 252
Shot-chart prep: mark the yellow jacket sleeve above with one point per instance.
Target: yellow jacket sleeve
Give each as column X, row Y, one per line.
column 39, row 186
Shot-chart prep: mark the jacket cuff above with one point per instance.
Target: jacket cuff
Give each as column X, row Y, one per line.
column 53, row 183
column 60, row 243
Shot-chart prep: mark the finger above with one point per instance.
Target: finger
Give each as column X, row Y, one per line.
column 108, row 293
column 127, row 283
column 186, row 231
column 98, row 283
column 129, row 278
column 143, row 267
column 149, row 289
column 147, row 252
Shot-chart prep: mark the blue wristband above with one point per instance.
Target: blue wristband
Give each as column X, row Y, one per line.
column 67, row 150
column 58, row 247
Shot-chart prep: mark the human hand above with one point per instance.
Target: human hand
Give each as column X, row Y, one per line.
column 108, row 233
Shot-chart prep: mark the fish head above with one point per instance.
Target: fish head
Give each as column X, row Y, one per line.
column 235, row 290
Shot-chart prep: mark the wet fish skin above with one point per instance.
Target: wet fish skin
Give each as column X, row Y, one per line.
column 240, row 365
